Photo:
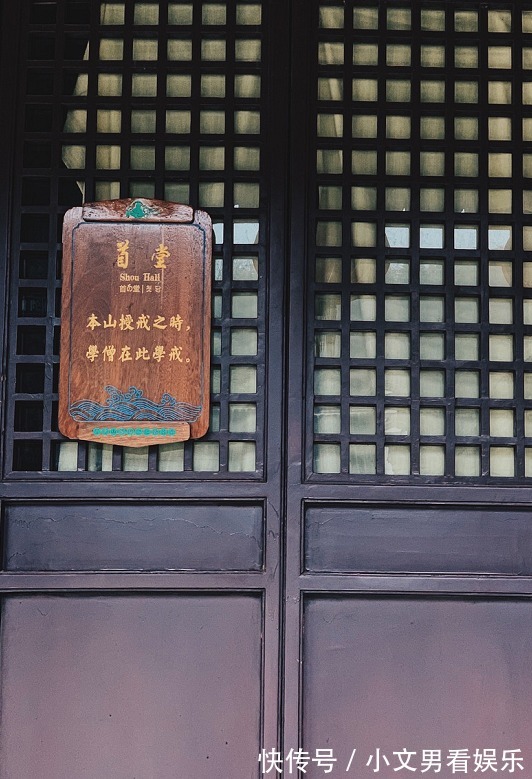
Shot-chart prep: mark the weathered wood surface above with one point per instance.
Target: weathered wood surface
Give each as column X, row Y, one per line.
column 135, row 335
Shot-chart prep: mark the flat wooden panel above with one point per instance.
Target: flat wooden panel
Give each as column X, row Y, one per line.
column 148, row 687
column 140, row 537
column 418, row 674
column 417, row 539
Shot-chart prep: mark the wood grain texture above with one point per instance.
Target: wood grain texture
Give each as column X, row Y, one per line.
column 135, row 336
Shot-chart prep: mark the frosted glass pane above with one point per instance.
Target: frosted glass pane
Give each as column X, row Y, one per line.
column 248, row 50
column 431, row 236
column 364, row 163
column 432, row 460
column 527, row 382
column 432, row 19
column 466, row 310
column 466, row 346
column 466, row 201
column 328, row 306
column 364, row 234
column 500, row 201
column 329, row 270
column 142, row 157
column 431, row 199
column 212, row 158
column 241, row 456
column 398, row 55
column 432, row 91
column 501, row 348
column 247, row 86
column 107, row 157
column 499, row 21
column 397, row 459
column 396, row 309
column 330, row 16
column 145, row 49
column 466, row 128
column 431, row 309
column 363, row 308
column 143, row 121
column 501, row 385
column 327, row 344
column 397, row 272
column 330, row 125
column 432, row 384
column 466, row 56
column 177, row 157
column 329, row 161
column 465, row 164
column 326, row 458
column 432, row 127
column 363, row 270
column 500, row 92
column 362, row 345
column 527, row 348
column 467, row 422
column 501, row 423
column 364, row 126
column 242, row 418
column 397, row 346
column 176, row 86
column 527, row 275
column 212, row 122
column 397, row 235
column 396, row 421
column 502, row 461
column 528, row 423
column 432, row 163
column 397, row 199
column 431, row 272
column 432, row 56
column 501, row 311
column 330, row 89
column 465, row 21
column 244, row 341
column 467, row 384
column 112, row 49
column 206, row 456
column 432, row 421
column 180, row 13
column 500, row 57
column 112, row 13
column 251, row 14
column 397, row 163
column 213, row 13
column 365, row 89
column 466, row 92
column 362, row 381
column 398, row 19
column 499, row 237
column 327, row 381
column 146, row 13
column 245, row 268
column 331, row 198
column 398, row 127
column 499, row 128
column 365, row 18
column 135, row 459
column 100, row 457
column 171, row 457
column 500, row 165
column 244, row 305
column 432, row 346
column 398, row 91
column 243, row 378
column 327, row 419
column 362, row 420
column 397, row 382
column 68, row 456
column 467, row 461
column 466, row 273
column 364, row 54
column 329, row 233
column 362, row 458
column 362, row 198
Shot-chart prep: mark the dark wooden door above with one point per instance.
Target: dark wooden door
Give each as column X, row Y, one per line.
column 342, row 565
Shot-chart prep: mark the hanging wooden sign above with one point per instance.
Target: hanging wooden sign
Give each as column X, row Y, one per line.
column 135, row 328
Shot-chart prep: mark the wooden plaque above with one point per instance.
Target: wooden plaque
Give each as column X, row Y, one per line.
column 135, row 328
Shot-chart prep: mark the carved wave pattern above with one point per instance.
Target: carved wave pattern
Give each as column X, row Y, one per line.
column 133, row 406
